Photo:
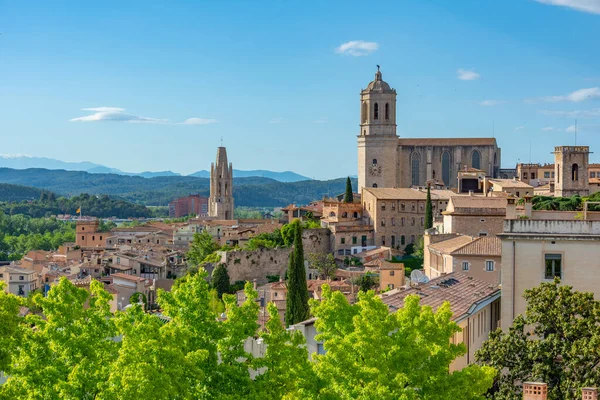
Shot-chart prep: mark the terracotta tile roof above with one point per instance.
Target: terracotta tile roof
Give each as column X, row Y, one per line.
column 372, row 252
column 510, row 183
column 477, row 202
column 451, row 245
column 447, row 142
column 128, row 277
column 461, row 291
column 482, row 246
column 409, row 194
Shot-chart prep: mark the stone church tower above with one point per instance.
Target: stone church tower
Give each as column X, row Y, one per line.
column 571, row 171
column 377, row 141
column 220, row 202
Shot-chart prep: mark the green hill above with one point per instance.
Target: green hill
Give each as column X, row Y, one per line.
column 10, row 192
column 159, row 191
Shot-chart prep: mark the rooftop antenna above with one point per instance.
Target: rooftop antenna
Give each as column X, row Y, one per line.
column 221, row 141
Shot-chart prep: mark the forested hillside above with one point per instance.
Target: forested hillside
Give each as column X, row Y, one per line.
column 252, row 191
column 18, row 193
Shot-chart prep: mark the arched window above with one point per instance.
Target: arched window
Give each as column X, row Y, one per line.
column 332, row 214
column 446, row 168
column 374, row 185
column 374, row 161
column 387, row 110
column 415, row 164
column 344, row 215
column 575, row 172
column 363, row 112
column 476, row 159
column 376, row 111
column 355, row 214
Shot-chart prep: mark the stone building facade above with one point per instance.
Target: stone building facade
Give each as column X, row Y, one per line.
column 398, row 215
column 571, row 170
column 385, row 160
column 220, row 202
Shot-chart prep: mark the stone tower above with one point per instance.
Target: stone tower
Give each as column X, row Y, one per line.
column 377, row 141
column 220, row 202
column 571, row 170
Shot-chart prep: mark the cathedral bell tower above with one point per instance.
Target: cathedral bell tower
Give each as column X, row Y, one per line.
column 220, row 202
column 377, row 141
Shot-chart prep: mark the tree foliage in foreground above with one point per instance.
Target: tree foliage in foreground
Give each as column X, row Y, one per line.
column 81, row 352
column 557, row 341
column 375, row 354
column 297, row 292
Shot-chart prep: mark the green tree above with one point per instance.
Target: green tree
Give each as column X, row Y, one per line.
column 10, row 330
column 324, row 263
column 202, row 245
column 220, row 280
column 428, row 210
column 297, row 292
column 367, row 282
column 557, row 341
column 374, row 354
column 349, row 195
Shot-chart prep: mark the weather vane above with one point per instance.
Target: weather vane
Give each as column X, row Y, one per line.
column 377, row 67
column 221, row 141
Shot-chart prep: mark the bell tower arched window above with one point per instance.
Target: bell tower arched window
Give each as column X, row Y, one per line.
column 374, row 161
column 376, row 111
column 387, row 111
column 363, row 112
column 476, row 159
column 575, row 172
column 415, row 164
column 374, row 185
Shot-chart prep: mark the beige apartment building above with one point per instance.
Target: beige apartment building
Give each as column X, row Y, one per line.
column 511, row 187
column 476, row 257
column 349, row 233
column 398, row 214
column 537, row 250
column 474, row 215
column 19, row 281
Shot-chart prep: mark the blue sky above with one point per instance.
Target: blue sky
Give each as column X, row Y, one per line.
column 166, row 80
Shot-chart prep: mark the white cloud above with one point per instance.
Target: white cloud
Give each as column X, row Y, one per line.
column 593, row 113
column 576, row 96
column 199, row 121
column 357, row 48
column 548, row 129
column 588, row 6
column 19, row 155
column 322, row 120
column 571, row 129
column 467, row 75
column 276, row 120
column 489, row 103
column 117, row 114
column 519, row 128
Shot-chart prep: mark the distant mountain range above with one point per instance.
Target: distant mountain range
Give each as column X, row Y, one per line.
column 25, row 162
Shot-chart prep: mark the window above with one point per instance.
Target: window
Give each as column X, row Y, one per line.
column 402, row 221
column 412, row 206
column 412, row 221
column 135, row 271
column 547, row 174
column 383, row 222
column 320, row 348
column 374, row 185
column 393, row 221
column 489, row 266
column 374, row 161
column 412, row 238
column 393, row 206
column 83, row 238
column 343, row 240
column 465, row 266
column 592, row 174
column 21, row 278
column 387, row 110
column 354, row 240
column 364, row 112
column 382, row 206
column 100, row 237
column 392, row 273
column 525, row 175
column 533, row 175
column 415, row 165
column 575, row 172
column 422, row 221
column 402, row 206
column 476, row 159
column 446, row 168
column 393, row 241
column 552, row 174
column 376, row 111
column 93, row 237
column 402, row 239
column 390, row 285
column 553, row 266
column 383, row 240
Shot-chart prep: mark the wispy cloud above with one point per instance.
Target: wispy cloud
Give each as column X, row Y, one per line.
column 588, row 6
column 575, row 97
column 467, row 75
column 116, row 114
column 199, row 121
column 322, row 120
column 571, row 129
column 593, row 113
column 277, row 120
column 357, row 48
column 18, row 155
column 548, row 129
column 490, row 103
column 519, row 128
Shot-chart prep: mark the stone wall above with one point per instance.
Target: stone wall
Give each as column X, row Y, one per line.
column 245, row 265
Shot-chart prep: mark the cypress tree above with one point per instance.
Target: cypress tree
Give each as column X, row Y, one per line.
column 220, row 280
column 297, row 292
column 428, row 210
column 348, row 197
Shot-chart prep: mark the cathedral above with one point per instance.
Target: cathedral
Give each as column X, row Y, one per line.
column 220, row 202
column 388, row 161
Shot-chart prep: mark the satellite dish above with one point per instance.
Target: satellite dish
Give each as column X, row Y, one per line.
column 418, row 277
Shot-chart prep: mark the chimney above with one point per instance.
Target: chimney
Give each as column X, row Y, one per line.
column 589, row 393
column 535, row 391
column 528, row 206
